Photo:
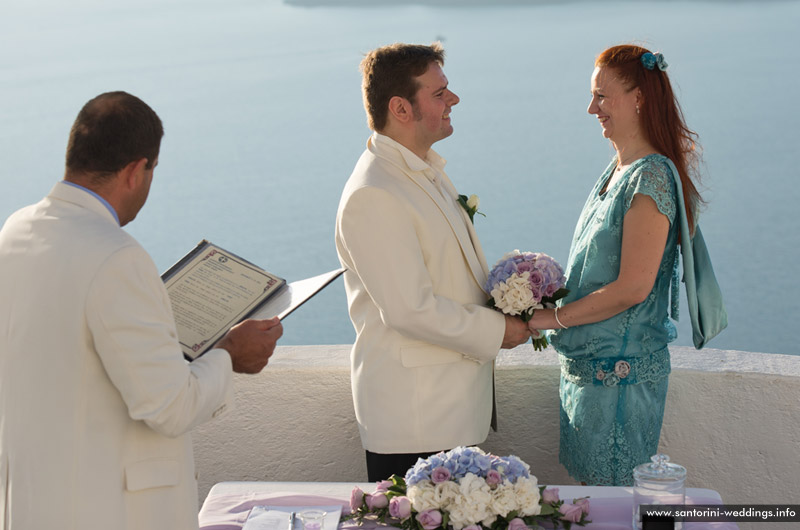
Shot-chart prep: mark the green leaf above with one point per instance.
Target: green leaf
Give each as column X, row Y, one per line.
column 561, row 293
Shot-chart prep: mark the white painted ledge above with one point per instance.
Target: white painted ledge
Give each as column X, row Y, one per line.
column 732, row 418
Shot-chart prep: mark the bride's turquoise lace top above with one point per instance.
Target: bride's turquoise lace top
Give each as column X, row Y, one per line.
column 594, row 262
column 613, row 373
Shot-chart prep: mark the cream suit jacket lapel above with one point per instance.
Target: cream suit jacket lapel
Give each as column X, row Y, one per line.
column 416, row 169
column 479, row 267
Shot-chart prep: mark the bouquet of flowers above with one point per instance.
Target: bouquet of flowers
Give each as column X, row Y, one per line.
column 466, row 489
column 522, row 282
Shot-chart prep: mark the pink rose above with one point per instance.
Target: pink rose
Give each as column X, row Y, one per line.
column 440, row 474
column 537, row 293
column 517, row 524
column 550, row 495
column 571, row 512
column 430, row 519
column 525, row 266
column 400, row 508
column 383, row 486
column 493, row 477
column 584, row 504
column 377, row 501
column 622, row 369
column 356, row 499
column 536, row 278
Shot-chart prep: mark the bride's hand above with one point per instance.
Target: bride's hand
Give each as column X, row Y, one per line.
column 540, row 321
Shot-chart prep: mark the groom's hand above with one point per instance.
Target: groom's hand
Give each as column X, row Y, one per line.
column 517, row 332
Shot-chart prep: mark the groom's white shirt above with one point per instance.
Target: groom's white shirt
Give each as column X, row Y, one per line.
column 421, row 363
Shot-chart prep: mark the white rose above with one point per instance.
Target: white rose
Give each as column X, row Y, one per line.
column 527, row 493
column 473, row 202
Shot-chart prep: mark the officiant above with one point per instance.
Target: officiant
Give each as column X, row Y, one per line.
column 96, row 399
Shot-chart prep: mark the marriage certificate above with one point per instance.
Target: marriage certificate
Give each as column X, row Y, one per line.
column 212, row 290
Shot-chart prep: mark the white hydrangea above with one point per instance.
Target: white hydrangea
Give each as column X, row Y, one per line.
column 504, row 499
column 527, row 493
column 423, row 496
column 446, row 493
column 472, row 501
column 514, row 295
column 489, row 521
column 472, row 505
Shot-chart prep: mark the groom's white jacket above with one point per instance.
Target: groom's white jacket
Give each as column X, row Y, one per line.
column 421, row 365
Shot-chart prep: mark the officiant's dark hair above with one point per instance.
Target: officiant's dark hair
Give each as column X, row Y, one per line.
column 389, row 71
column 111, row 131
column 661, row 115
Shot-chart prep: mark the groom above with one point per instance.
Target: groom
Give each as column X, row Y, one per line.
column 422, row 362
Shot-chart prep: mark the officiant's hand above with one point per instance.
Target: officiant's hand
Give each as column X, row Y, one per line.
column 517, row 332
column 251, row 343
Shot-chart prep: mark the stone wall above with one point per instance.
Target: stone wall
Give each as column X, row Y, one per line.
column 732, row 419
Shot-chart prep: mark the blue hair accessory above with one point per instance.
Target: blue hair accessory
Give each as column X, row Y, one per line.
column 651, row 60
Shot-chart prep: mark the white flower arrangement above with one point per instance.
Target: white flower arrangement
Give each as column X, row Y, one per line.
column 466, row 489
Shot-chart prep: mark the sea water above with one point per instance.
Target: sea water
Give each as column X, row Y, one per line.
column 264, row 122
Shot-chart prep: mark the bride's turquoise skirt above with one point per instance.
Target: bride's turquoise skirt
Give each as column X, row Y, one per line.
column 606, row 431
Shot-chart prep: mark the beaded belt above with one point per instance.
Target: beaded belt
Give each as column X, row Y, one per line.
column 612, row 371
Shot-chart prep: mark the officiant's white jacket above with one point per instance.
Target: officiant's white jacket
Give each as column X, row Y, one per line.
column 95, row 396
column 422, row 361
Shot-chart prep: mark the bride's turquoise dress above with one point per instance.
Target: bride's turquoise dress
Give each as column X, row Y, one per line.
column 614, row 372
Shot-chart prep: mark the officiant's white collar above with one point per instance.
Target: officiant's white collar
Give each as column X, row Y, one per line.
column 385, row 146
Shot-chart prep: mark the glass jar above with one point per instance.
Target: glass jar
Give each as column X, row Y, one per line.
column 658, row 482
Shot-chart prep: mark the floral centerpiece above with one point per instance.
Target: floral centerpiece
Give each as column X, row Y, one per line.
column 522, row 282
column 466, row 489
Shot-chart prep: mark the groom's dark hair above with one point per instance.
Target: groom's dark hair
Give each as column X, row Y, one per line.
column 390, row 71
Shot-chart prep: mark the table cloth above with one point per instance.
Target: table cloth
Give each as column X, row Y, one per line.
column 228, row 503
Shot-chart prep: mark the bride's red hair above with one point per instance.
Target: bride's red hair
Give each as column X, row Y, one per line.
column 661, row 115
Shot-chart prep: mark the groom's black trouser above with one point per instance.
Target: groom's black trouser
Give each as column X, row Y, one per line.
column 382, row 466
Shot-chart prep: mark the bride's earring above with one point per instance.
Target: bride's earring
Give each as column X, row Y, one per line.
column 637, row 109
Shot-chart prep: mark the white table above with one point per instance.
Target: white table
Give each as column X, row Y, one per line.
column 227, row 503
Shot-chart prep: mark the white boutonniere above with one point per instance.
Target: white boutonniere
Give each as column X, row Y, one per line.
column 470, row 204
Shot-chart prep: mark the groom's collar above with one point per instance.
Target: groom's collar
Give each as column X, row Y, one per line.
column 384, row 146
